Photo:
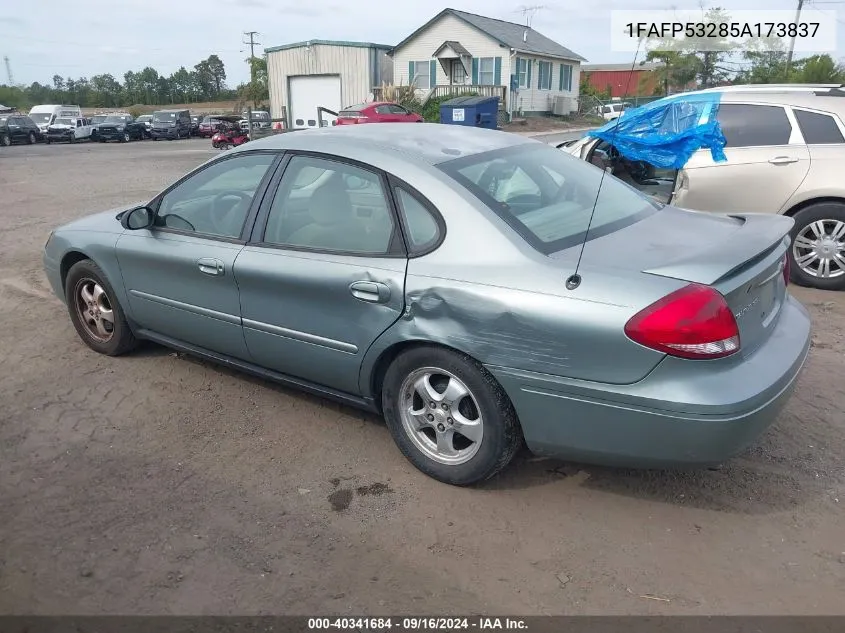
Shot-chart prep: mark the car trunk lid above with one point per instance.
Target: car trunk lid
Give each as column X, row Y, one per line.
column 740, row 255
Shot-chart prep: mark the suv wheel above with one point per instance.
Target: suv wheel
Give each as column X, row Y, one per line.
column 31, row 138
column 5, row 141
column 817, row 253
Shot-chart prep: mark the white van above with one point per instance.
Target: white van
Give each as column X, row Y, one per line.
column 45, row 115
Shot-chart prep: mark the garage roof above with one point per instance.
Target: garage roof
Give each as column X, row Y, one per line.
column 347, row 44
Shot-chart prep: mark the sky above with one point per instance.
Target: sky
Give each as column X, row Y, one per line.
column 90, row 37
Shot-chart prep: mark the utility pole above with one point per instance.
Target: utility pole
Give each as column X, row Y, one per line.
column 9, row 70
column 252, row 43
column 792, row 40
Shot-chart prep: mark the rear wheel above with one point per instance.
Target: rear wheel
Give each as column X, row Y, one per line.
column 448, row 416
column 95, row 312
column 817, row 254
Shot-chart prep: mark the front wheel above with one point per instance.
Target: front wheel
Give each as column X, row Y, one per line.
column 449, row 416
column 31, row 138
column 71, row 139
column 5, row 140
column 95, row 312
column 126, row 137
column 817, row 254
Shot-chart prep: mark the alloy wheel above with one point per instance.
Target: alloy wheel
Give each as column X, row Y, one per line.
column 819, row 249
column 94, row 310
column 441, row 416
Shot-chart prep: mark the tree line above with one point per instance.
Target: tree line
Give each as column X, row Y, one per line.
column 686, row 63
column 205, row 82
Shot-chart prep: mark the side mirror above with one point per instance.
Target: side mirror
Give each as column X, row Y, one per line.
column 137, row 218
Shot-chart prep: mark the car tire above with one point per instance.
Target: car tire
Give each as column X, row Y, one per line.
column 90, row 298
column 481, row 404
column 48, row 141
column 5, row 140
column 72, row 139
column 819, row 225
column 126, row 137
column 31, row 138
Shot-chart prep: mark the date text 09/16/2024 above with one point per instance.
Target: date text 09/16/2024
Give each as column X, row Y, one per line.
column 416, row 624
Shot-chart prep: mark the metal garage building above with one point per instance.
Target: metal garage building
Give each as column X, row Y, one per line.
column 326, row 73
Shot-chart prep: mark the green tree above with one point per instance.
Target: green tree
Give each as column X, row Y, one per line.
column 817, row 69
column 766, row 59
column 256, row 90
column 217, row 70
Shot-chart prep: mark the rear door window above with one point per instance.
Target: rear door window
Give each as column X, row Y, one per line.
column 754, row 125
column 818, row 129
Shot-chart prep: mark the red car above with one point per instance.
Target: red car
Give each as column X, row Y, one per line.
column 208, row 126
column 378, row 112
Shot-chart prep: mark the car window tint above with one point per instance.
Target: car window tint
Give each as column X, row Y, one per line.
column 754, row 125
column 397, row 109
column 343, row 209
column 382, row 109
column 215, row 201
column 818, row 129
column 422, row 228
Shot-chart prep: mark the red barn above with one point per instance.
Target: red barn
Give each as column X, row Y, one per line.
column 623, row 82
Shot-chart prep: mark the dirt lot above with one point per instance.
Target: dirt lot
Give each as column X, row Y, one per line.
column 155, row 483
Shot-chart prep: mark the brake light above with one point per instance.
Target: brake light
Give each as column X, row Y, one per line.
column 786, row 269
column 693, row 322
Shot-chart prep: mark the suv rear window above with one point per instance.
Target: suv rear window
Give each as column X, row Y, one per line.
column 754, row 125
column 818, row 129
column 548, row 196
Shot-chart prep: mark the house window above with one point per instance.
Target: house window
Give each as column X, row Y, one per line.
column 565, row 77
column 545, row 80
column 422, row 75
column 487, row 71
column 522, row 72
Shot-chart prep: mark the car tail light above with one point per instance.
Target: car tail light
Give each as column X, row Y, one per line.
column 693, row 322
column 786, row 269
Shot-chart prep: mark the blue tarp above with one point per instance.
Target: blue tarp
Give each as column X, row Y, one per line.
column 666, row 132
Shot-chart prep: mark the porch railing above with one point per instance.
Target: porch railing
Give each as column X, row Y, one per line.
column 481, row 91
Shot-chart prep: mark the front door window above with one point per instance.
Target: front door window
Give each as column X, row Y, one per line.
column 459, row 73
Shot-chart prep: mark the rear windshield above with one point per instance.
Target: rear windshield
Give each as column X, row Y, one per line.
column 353, row 110
column 547, row 196
column 164, row 116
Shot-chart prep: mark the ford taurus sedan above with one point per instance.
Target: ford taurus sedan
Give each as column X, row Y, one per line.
column 477, row 288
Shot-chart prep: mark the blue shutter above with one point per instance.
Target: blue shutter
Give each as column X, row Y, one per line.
column 410, row 73
column 560, row 83
column 474, row 71
column 432, row 70
column 528, row 63
column 497, row 71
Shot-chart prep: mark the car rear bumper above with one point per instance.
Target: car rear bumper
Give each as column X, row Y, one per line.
column 684, row 413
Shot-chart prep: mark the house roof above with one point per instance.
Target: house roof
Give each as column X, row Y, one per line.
column 508, row 34
column 284, row 47
column 616, row 67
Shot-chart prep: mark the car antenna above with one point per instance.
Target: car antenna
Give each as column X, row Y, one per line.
column 574, row 280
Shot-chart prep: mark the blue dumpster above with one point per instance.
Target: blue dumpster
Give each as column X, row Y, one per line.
column 472, row 111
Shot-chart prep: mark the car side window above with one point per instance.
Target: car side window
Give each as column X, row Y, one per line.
column 754, row 125
column 818, row 129
column 397, row 109
column 383, row 109
column 342, row 209
column 216, row 200
column 422, row 228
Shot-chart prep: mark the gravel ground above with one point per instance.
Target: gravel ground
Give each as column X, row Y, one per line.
column 159, row 484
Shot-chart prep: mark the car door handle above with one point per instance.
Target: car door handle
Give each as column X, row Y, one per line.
column 210, row 266
column 370, row 291
column 783, row 160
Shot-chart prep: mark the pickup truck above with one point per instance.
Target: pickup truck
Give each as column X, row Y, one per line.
column 70, row 129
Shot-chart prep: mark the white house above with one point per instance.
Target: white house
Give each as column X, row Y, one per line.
column 323, row 73
column 456, row 52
